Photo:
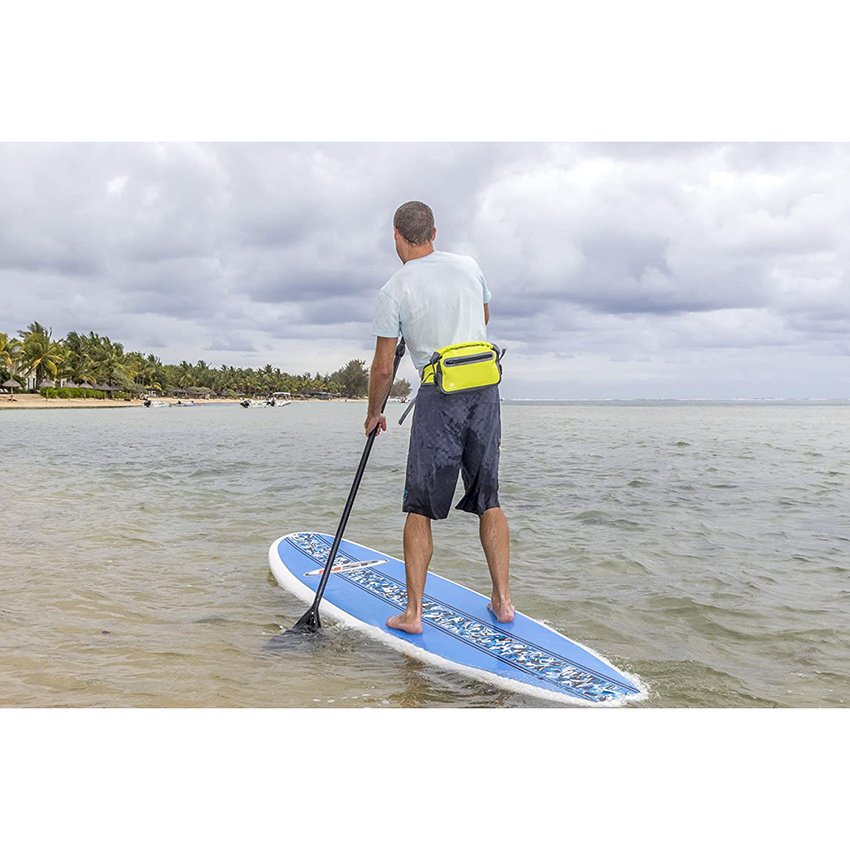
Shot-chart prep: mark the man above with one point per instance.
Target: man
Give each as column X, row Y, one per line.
column 438, row 299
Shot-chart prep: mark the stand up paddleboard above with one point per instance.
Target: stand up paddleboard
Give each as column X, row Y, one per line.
column 459, row 633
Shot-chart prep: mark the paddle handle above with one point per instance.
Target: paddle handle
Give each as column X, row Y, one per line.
column 399, row 353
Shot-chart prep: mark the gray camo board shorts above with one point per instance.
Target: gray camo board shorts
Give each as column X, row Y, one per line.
column 453, row 434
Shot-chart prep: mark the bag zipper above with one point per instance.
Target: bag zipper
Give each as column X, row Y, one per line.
column 470, row 358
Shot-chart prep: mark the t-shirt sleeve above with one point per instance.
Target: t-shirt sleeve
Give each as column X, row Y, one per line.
column 480, row 275
column 386, row 321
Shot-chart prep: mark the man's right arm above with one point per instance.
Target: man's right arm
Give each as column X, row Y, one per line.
column 386, row 326
column 486, row 314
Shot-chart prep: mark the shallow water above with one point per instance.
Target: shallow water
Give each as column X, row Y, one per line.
column 703, row 547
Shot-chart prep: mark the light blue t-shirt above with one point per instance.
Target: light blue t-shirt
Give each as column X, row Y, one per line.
column 434, row 301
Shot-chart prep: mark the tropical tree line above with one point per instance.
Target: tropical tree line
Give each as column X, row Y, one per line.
column 91, row 359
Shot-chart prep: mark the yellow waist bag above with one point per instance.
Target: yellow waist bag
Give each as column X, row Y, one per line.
column 464, row 367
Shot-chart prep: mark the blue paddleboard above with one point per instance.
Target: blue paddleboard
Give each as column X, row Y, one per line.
column 458, row 631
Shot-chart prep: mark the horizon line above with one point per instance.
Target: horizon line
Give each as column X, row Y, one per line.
column 671, row 398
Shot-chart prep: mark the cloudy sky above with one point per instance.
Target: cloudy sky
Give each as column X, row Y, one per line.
column 617, row 270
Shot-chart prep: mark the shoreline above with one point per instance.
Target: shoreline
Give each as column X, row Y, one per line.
column 31, row 401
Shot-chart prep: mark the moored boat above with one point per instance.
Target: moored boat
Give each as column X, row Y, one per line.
column 271, row 402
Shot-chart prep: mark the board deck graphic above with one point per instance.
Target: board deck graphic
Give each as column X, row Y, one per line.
column 459, row 632
column 348, row 566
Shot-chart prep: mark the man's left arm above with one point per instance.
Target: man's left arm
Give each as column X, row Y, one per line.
column 380, row 376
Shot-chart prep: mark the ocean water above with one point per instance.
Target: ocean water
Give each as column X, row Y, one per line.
column 704, row 547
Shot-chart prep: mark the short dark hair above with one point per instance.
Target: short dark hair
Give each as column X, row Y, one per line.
column 415, row 222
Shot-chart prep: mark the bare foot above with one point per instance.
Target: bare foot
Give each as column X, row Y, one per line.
column 504, row 612
column 410, row 623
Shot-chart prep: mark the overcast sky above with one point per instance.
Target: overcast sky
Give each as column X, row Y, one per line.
column 617, row 270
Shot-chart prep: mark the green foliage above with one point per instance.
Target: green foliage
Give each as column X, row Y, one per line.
column 39, row 353
column 96, row 359
column 76, row 392
column 10, row 351
column 353, row 378
column 401, row 388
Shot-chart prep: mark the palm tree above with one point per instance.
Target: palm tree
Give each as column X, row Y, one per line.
column 155, row 375
column 202, row 374
column 10, row 351
column 40, row 353
column 184, row 375
column 78, row 365
column 144, row 369
column 110, row 361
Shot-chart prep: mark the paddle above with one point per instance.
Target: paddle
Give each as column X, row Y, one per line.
column 310, row 621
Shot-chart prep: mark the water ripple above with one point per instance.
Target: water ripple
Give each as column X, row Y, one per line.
column 701, row 547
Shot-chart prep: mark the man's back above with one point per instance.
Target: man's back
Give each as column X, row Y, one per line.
column 433, row 301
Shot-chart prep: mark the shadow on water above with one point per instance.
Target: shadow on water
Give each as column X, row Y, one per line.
column 293, row 639
column 424, row 685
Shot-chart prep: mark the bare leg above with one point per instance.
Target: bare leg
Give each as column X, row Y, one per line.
column 418, row 548
column 496, row 542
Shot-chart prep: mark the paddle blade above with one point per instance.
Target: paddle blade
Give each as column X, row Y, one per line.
column 306, row 627
column 309, row 622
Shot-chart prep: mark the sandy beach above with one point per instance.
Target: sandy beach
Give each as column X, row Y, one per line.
column 31, row 401
column 26, row 401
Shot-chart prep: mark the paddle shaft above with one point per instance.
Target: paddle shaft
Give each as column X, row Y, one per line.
column 311, row 618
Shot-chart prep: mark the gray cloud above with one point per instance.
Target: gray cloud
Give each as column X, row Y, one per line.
column 622, row 259
column 231, row 343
